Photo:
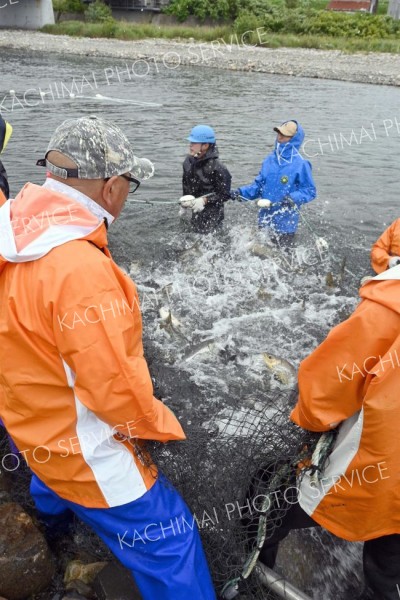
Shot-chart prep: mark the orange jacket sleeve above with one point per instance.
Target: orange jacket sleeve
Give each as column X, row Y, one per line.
column 380, row 251
column 334, row 378
column 98, row 332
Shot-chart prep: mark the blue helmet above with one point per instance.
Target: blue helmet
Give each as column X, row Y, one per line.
column 202, row 134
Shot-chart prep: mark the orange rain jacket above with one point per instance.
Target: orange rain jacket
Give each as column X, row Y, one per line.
column 75, row 392
column 353, row 378
column 385, row 247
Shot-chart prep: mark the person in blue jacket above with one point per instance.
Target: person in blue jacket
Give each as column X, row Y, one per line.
column 283, row 184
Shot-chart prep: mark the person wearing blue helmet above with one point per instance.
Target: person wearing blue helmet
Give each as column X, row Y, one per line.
column 5, row 134
column 283, row 184
column 206, row 182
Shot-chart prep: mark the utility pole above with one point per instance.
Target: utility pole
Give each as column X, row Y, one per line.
column 373, row 9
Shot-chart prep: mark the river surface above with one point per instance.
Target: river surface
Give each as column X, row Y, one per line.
column 215, row 287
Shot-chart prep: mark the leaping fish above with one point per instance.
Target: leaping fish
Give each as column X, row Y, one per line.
column 282, row 369
column 170, row 323
column 204, row 347
column 262, row 251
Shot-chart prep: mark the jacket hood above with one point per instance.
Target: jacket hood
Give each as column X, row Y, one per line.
column 292, row 147
column 40, row 219
column 384, row 289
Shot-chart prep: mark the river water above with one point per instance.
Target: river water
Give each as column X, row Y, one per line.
column 215, row 287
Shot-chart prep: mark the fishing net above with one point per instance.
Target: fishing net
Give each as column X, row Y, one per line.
column 236, row 468
column 225, row 470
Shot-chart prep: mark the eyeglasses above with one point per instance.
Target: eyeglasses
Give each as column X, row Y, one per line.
column 133, row 183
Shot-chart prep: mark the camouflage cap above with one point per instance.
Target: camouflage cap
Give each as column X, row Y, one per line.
column 98, row 148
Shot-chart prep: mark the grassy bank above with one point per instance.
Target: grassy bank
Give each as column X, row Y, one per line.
column 128, row 31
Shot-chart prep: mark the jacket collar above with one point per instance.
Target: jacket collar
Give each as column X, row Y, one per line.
column 91, row 205
column 40, row 219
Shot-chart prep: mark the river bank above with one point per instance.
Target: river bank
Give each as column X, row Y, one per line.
column 374, row 68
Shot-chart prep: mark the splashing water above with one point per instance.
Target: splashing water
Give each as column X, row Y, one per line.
column 234, row 306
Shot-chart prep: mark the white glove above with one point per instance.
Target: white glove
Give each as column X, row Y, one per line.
column 186, row 201
column 198, row 204
column 395, row 260
column 264, row 203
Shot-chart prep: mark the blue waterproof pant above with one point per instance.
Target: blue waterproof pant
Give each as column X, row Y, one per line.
column 155, row 537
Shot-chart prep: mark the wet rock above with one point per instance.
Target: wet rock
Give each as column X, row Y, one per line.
column 84, row 572
column 26, row 565
column 115, row 582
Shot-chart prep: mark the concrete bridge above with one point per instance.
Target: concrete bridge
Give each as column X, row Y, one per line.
column 26, row 14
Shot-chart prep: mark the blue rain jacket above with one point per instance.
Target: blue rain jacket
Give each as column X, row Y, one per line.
column 283, row 173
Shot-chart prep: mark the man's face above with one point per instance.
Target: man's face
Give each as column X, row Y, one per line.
column 282, row 139
column 197, row 149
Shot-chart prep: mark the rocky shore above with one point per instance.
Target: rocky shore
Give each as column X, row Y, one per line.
column 375, row 68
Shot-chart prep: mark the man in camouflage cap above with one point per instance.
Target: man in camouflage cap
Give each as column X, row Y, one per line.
column 76, row 395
